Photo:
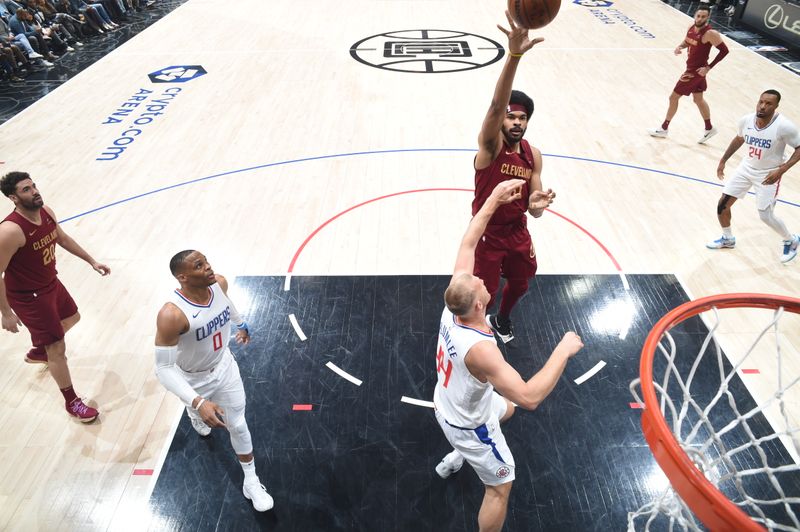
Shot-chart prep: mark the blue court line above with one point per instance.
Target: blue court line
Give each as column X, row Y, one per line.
column 382, row 152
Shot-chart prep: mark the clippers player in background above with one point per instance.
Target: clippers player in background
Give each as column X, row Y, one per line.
column 31, row 293
column 699, row 40
column 469, row 366
column 506, row 247
column 193, row 360
column 766, row 134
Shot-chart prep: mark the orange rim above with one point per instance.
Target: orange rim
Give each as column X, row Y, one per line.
column 714, row 509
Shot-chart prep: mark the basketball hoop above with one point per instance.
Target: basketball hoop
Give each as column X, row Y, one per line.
column 703, row 451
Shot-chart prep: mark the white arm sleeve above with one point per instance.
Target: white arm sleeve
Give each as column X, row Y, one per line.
column 169, row 376
column 236, row 318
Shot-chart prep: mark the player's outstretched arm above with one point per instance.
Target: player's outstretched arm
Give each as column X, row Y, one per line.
column 68, row 243
column 11, row 239
column 243, row 331
column 504, row 192
column 169, row 325
column 490, row 364
column 489, row 139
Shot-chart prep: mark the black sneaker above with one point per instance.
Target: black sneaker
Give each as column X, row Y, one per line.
column 505, row 331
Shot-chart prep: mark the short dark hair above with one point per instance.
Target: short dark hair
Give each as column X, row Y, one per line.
column 8, row 184
column 176, row 262
column 704, row 7
column 520, row 98
column 774, row 93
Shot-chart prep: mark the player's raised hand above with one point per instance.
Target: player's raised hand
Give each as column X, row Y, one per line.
column 541, row 199
column 507, row 191
column 571, row 343
column 518, row 40
column 11, row 322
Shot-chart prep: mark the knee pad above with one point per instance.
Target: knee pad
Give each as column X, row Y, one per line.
column 240, row 436
column 723, row 203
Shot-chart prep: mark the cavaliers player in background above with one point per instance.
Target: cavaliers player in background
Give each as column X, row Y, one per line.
column 766, row 134
column 469, row 366
column 506, row 247
column 699, row 40
column 31, row 293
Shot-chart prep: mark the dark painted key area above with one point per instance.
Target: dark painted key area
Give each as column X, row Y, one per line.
column 361, row 459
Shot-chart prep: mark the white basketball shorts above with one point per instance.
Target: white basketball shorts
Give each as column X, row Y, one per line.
column 744, row 178
column 485, row 447
column 223, row 385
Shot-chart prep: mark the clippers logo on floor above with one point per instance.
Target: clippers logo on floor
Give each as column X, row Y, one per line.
column 177, row 74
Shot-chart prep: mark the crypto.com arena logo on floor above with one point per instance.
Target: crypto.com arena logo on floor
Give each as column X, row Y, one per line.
column 177, row 74
column 427, row 51
column 593, row 3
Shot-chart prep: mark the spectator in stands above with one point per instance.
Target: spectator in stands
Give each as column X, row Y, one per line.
column 20, row 24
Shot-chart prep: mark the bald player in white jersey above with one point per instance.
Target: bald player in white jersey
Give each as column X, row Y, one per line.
column 766, row 134
column 193, row 360
column 469, row 367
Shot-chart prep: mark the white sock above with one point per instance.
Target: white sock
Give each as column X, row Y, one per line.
column 726, row 232
column 249, row 469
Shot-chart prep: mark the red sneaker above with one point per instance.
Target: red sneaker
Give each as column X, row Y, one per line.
column 85, row 414
column 37, row 355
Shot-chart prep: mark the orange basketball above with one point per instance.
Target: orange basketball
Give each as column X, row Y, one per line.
column 533, row 14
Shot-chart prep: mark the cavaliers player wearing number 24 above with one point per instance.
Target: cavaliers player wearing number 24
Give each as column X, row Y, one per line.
column 31, row 293
column 506, row 247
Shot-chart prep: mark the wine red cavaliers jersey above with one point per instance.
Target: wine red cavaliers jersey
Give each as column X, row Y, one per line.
column 33, row 266
column 507, row 166
column 698, row 50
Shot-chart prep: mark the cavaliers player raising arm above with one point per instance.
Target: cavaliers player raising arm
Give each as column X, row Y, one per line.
column 470, row 365
column 504, row 154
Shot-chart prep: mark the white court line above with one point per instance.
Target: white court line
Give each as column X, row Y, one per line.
column 589, row 374
column 297, row 328
column 624, row 281
column 151, row 486
column 287, row 282
column 417, row 402
column 342, row 373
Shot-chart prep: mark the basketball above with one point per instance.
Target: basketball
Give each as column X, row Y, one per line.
column 533, row 14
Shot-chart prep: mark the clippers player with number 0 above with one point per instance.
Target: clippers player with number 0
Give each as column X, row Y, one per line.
column 193, row 360
column 470, row 366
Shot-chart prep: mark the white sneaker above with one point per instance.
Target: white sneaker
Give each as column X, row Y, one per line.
column 200, row 427
column 707, row 135
column 46, row 63
column 78, row 43
column 658, row 132
column 35, row 55
column 450, row 464
column 790, row 249
column 722, row 243
column 70, row 49
column 255, row 492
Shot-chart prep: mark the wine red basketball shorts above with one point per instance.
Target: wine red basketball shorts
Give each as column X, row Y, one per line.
column 42, row 311
column 690, row 82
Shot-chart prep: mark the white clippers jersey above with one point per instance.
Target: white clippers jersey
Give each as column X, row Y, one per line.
column 765, row 146
column 202, row 346
column 463, row 400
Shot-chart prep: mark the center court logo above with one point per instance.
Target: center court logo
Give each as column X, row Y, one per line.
column 427, row 51
column 593, row 3
column 177, row 74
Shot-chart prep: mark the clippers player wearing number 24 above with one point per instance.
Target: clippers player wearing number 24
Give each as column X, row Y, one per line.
column 31, row 293
column 766, row 134
column 193, row 360
column 470, row 366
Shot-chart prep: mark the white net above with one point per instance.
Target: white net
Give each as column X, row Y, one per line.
column 745, row 447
